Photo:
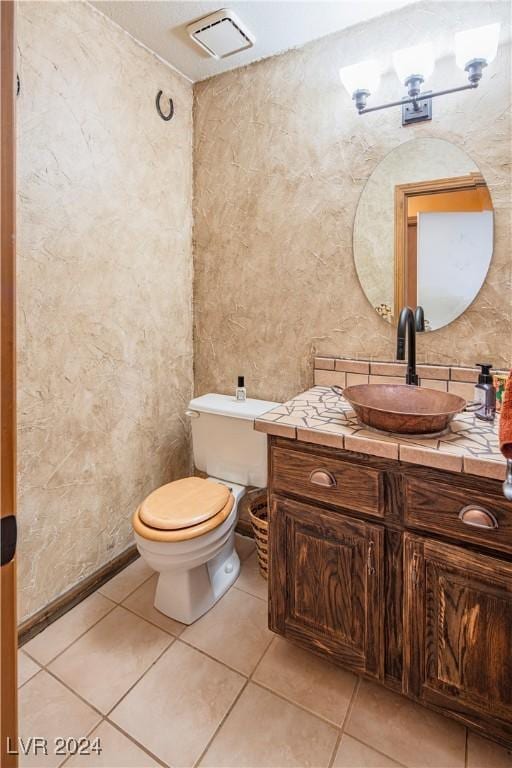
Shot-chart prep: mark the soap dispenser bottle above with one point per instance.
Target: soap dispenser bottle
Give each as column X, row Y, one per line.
column 485, row 393
column 241, row 392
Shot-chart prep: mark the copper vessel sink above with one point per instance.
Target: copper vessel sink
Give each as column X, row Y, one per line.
column 403, row 408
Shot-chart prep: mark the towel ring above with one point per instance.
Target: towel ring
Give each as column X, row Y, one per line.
column 159, row 109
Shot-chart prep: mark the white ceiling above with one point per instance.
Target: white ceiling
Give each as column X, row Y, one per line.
column 277, row 26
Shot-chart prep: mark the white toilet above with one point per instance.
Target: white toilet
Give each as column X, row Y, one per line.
column 185, row 530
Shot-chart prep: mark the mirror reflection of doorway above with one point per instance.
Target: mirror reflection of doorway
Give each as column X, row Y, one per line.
column 424, row 221
column 443, row 237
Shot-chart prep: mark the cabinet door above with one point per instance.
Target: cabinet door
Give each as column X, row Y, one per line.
column 458, row 632
column 326, row 583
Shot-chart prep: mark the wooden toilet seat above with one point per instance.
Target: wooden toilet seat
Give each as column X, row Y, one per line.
column 182, row 510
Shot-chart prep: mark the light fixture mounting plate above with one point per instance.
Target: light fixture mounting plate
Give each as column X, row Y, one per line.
column 419, row 115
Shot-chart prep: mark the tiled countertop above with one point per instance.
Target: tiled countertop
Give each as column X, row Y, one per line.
column 322, row 417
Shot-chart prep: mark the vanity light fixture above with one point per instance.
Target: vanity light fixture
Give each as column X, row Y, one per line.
column 361, row 80
column 474, row 50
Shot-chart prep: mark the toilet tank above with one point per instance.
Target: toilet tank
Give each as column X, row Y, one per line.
column 224, row 440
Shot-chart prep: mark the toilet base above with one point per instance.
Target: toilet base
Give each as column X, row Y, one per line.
column 185, row 595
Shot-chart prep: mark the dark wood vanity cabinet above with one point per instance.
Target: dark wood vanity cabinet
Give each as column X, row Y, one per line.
column 458, row 631
column 399, row 588
column 327, row 583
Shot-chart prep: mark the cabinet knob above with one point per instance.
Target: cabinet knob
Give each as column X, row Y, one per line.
column 322, row 477
column 477, row 517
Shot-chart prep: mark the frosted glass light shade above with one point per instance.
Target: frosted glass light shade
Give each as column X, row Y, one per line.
column 478, row 43
column 362, row 76
column 416, row 60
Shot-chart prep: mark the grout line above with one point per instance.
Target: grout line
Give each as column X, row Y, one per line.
column 335, row 749
column 96, row 591
column 87, row 735
column 150, row 621
column 125, row 694
column 237, row 698
column 223, row 720
column 66, row 601
column 120, row 602
column 78, row 696
column 75, row 693
column 246, row 592
column 115, row 605
column 207, row 655
column 19, row 687
column 345, row 721
column 267, row 649
column 246, row 678
column 86, row 701
column 351, row 703
column 212, row 658
column 126, row 735
column 292, row 701
column 106, row 716
column 378, row 751
column 296, row 704
column 78, row 637
column 137, row 743
column 260, row 659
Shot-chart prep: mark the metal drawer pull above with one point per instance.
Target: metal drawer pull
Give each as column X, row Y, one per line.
column 477, row 517
column 322, row 477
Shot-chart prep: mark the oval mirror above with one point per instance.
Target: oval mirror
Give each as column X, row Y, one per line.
column 423, row 232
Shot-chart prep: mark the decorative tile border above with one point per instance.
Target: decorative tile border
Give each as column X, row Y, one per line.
column 322, row 417
column 352, row 366
column 426, row 371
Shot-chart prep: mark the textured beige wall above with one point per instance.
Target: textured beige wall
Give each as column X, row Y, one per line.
column 104, row 291
column 280, row 160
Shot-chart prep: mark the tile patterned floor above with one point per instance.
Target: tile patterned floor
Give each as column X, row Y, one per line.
column 222, row 692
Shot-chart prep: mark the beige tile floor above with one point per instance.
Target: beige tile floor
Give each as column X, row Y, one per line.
column 222, row 692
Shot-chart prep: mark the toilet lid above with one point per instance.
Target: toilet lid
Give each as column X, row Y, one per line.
column 183, row 503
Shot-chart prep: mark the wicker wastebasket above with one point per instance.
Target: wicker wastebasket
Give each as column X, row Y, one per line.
column 258, row 513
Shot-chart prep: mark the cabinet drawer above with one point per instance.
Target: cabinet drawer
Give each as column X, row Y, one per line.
column 329, row 480
column 458, row 512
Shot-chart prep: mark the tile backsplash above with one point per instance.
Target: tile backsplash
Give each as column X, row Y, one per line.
column 345, row 372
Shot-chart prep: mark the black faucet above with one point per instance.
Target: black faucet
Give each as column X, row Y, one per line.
column 408, row 323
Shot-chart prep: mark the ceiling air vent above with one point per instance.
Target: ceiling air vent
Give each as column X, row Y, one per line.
column 221, row 34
